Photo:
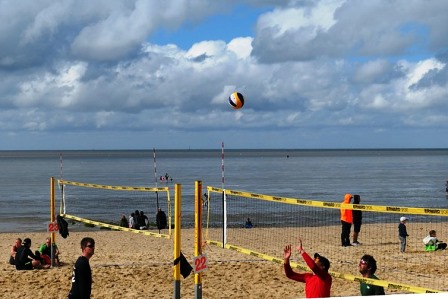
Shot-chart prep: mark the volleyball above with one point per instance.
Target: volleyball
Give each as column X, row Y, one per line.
column 236, row 100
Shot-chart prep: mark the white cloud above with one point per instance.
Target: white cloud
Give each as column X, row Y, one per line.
column 242, row 47
column 418, row 70
column 311, row 65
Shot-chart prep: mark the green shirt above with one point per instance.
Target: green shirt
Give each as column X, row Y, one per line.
column 369, row 289
column 44, row 249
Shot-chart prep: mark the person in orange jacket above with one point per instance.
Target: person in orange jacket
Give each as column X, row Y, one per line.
column 346, row 221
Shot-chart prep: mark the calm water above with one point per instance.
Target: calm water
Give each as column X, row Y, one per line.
column 414, row 178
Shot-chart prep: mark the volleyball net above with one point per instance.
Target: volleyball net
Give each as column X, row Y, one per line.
column 97, row 205
column 278, row 221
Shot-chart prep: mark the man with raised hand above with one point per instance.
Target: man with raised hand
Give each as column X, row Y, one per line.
column 318, row 283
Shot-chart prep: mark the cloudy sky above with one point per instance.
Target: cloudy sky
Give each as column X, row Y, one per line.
column 142, row 74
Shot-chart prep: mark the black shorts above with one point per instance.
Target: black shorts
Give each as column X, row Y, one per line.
column 27, row 266
column 357, row 227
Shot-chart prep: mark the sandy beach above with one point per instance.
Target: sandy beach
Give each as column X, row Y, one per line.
column 127, row 265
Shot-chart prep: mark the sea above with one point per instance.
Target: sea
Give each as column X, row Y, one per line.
column 392, row 177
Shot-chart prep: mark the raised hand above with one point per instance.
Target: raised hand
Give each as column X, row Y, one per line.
column 287, row 252
column 299, row 245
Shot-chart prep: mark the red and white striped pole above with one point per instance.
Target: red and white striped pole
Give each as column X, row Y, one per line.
column 155, row 176
column 60, row 163
column 222, row 165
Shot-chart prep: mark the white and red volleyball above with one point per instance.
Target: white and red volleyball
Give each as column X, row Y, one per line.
column 236, row 100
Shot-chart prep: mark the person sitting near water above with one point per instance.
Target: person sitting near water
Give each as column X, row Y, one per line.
column 124, row 221
column 161, row 219
column 26, row 259
column 432, row 243
column 136, row 215
column 248, row 224
column 45, row 252
column 131, row 220
column 142, row 220
column 14, row 248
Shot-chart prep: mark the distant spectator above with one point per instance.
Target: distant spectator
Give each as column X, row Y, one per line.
column 135, row 217
column 14, row 248
column 124, row 221
column 248, row 223
column 161, row 220
column 357, row 220
column 142, row 221
column 402, row 233
column 131, row 220
column 205, row 200
column 367, row 268
column 432, row 243
column 346, row 221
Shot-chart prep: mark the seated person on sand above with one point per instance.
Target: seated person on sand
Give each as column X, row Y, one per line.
column 45, row 252
column 26, row 260
column 124, row 221
column 142, row 220
column 248, row 224
column 14, row 248
column 432, row 243
column 161, row 221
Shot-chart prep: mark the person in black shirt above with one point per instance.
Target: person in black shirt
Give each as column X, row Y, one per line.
column 26, row 259
column 357, row 220
column 82, row 274
column 124, row 221
column 142, row 220
column 161, row 220
column 402, row 233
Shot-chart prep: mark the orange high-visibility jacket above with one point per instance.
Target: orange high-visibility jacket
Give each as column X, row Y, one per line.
column 346, row 215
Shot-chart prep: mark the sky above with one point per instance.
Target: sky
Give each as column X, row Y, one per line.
column 143, row 74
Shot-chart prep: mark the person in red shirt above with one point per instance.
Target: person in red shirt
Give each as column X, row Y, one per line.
column 318, row 283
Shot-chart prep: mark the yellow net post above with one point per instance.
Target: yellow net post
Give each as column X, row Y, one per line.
column 198, row 236
column 177, row 237
column 52, row 219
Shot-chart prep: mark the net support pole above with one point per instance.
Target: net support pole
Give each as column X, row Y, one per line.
column 224, row 215
column 198, row 236
column 52, row 218
column 177, row 237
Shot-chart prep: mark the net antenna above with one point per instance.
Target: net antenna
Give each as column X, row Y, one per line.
column 155, row 176
column 61, row 187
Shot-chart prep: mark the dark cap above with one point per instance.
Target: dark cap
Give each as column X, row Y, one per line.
column 324, row 261
column 26, row 241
